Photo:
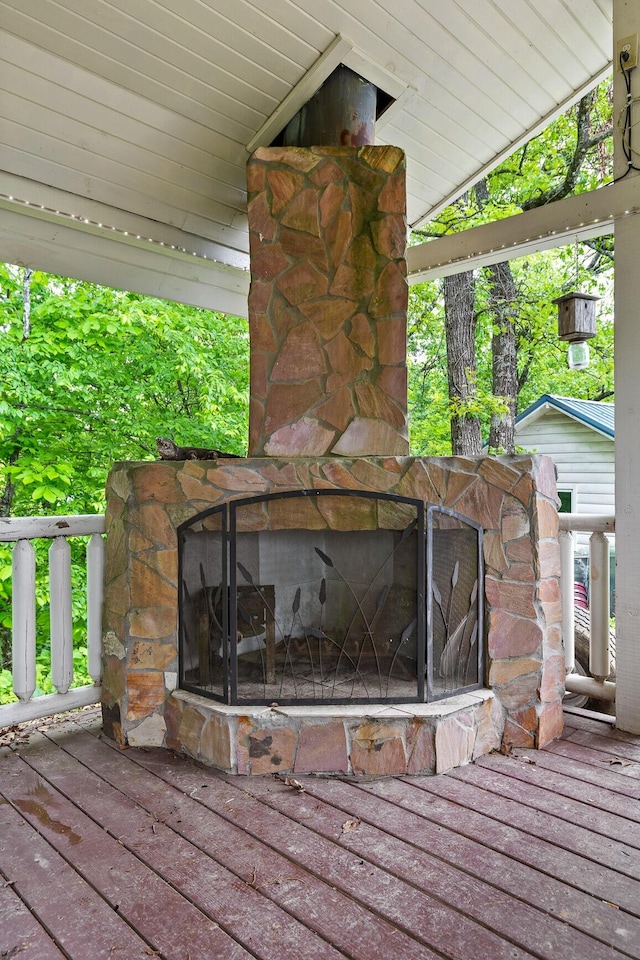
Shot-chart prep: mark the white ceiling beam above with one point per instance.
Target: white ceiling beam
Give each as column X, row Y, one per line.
column 44, row 241
column 38, row 198
column 582, row 217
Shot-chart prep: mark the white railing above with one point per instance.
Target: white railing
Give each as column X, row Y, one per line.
column 22, row 531
column 596, row 685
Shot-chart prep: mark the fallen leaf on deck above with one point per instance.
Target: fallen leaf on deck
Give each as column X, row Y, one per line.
column 619, row 761
column 290, row 782
column 350, row 825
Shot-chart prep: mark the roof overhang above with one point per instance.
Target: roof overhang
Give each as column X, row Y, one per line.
column 548, row 403
column 126, row 124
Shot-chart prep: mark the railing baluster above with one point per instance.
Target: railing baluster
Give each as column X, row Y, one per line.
column 95, row 592
column 61, row 614
column 568, row 588
column 599, row 656
column 24, row 620
column 21, row 531
column 596, row 685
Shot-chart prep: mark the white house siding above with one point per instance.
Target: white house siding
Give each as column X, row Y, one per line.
column 584, row 459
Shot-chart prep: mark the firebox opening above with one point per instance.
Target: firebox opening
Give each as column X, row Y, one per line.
column 319, row 596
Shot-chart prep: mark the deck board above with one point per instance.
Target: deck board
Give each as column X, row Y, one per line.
column 573, row 760
column 21, row 929
column 258, row 879
column 379, row 889
column 517, row 808
column 596, row 807
column 139, row 853
column 410, row 847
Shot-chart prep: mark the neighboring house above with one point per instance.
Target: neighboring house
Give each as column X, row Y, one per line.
column 579, row 435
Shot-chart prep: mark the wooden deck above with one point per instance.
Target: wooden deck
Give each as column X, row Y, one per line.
column 138, row 853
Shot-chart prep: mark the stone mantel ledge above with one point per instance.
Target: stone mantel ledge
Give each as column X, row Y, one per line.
column 513, row 499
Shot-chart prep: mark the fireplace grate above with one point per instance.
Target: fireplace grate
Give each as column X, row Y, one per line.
column 329, row 596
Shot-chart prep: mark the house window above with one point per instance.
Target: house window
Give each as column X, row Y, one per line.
column 566, row 501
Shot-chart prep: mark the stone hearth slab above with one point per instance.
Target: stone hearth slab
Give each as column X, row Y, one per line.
column 352, row 739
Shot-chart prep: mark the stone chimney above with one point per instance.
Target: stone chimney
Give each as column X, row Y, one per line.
column 328, row 301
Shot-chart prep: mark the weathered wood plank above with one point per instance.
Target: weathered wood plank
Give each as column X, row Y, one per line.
column 30, row 528
column 215, row 872
column 430, row 920
column 593, row 763
column 21, row 936
column 143, row 899
column 596, row 731
column 407, row 847
column 564, row 779
column 578, row 722
column 601, row 851
column 512, row 918
column 294, row 886
column 82, row 924
column 422, row 796
column 462, row 865
column 398, row 902
column 598, row 811
column 606, row 745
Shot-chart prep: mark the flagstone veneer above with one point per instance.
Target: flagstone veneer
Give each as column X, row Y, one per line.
column 328, row 301
column 511, row 497
column 328, row 410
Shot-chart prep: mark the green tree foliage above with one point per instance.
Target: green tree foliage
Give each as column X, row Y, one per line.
column 92, row 375
column 572, row 155
column 97, row 376
column 542, row 358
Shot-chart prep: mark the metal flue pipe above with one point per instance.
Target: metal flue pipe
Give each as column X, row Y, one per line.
column 342, row 113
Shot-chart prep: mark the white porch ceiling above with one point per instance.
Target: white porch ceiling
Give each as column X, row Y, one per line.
column 125, row 124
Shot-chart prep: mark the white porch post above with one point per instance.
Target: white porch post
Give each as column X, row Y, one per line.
column 626, row 22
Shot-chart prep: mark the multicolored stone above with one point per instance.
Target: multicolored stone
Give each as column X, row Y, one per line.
column 328, row 301
column 524, row 662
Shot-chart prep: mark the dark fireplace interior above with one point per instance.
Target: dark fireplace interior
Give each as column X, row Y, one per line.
column 333, row 609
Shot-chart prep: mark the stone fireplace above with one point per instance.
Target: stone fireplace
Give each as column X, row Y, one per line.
column 328, row 496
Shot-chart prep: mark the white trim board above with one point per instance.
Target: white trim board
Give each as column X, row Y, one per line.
column 86, row 252
column 581, row 217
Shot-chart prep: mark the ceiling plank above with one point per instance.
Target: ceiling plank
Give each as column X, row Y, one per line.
column 515, row 145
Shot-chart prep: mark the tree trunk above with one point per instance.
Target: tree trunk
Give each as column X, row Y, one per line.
column 504, row 357
column 460, row 328
column 504, row 351
column 8, row 492
column 6, row 499
column 26, row 303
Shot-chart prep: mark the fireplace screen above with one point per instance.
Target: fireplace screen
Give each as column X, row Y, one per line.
column 319, row 597
column 454, row 603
